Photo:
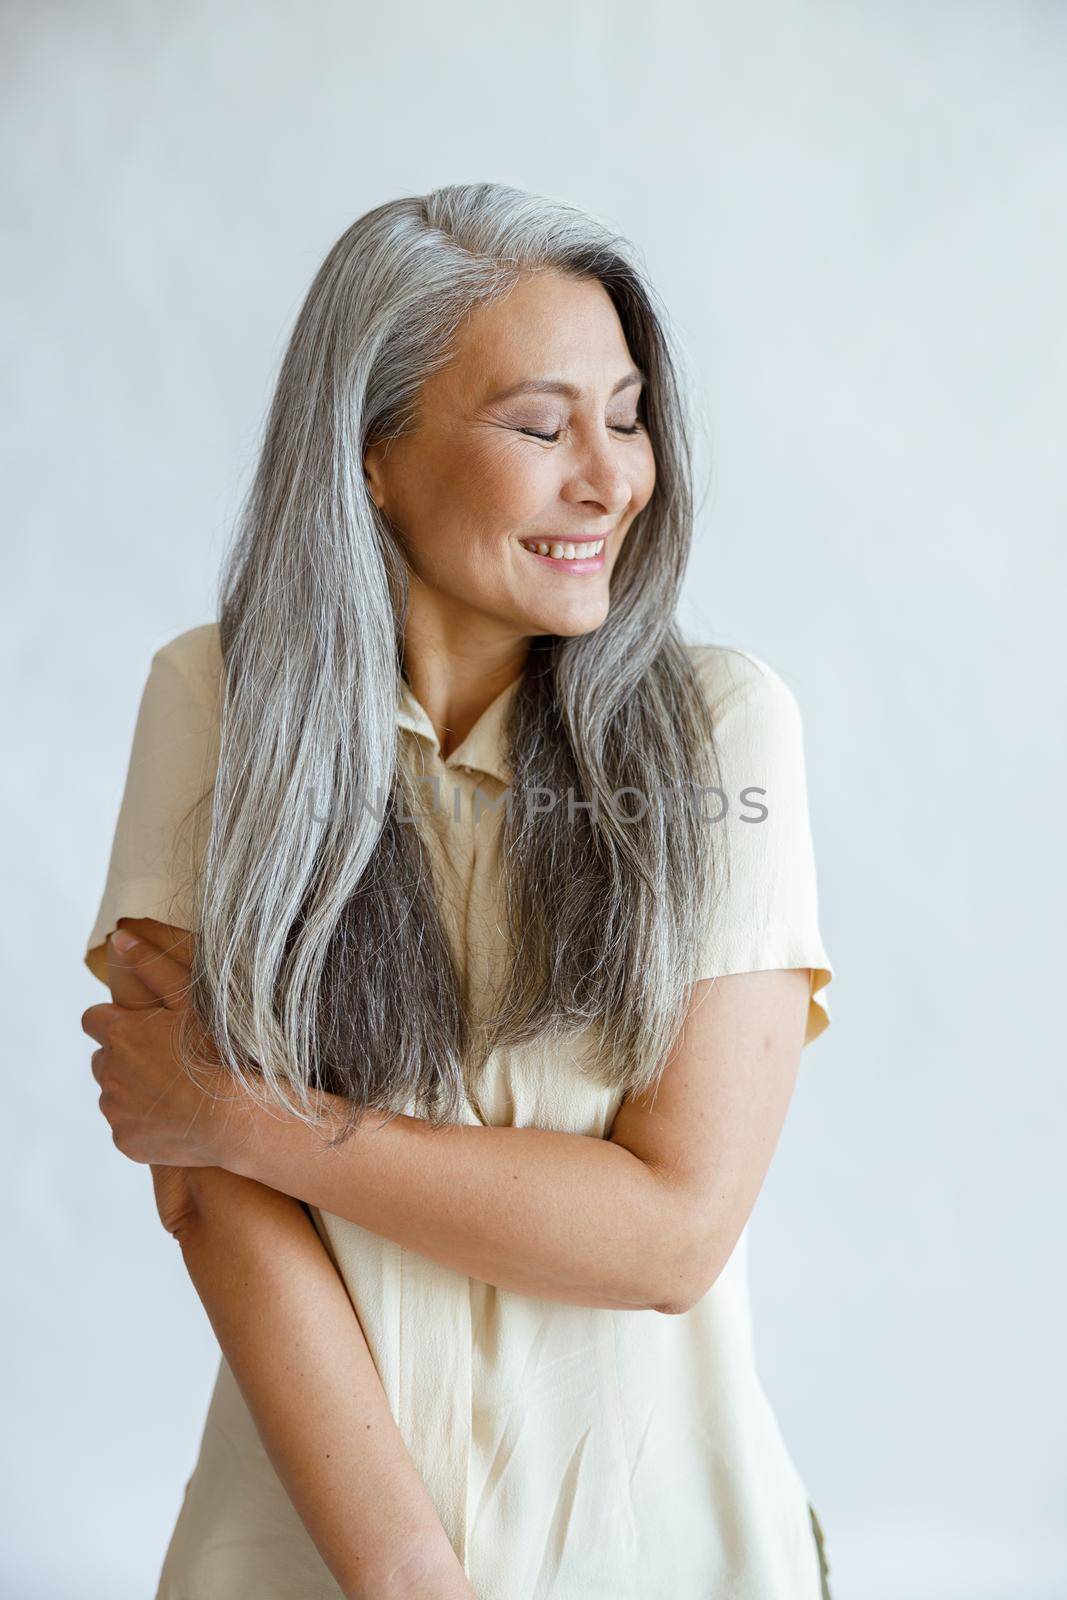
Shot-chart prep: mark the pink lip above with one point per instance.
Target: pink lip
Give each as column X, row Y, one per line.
column 590, row 564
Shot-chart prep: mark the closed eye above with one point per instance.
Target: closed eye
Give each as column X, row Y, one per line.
column 551, row 438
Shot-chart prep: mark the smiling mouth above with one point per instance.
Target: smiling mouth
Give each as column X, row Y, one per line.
column 578, row 555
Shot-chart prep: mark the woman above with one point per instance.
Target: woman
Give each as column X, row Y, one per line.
column 488, row 1032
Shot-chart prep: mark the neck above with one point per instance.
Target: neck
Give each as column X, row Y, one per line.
column 456, row 668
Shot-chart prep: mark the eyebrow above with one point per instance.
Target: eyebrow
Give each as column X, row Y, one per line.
column 558, row 386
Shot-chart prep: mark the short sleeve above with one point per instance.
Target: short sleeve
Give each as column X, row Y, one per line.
column 765, row 912
column 154, row 852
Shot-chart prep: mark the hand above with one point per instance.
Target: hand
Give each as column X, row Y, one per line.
column 163, row 1107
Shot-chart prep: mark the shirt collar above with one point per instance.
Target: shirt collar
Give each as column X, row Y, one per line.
column 483, row 750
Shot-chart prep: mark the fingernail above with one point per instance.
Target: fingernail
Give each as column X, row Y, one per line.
column 123, row 940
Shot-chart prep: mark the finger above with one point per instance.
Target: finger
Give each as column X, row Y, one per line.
column 172, row 940
column 164, row 977
column 98, row 1020
column 126, row 987
column 96, row 1061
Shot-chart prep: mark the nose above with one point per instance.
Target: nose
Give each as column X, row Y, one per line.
column 599, row 476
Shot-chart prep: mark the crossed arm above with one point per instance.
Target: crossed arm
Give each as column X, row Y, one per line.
column 644, row 1219
column 294, row 1344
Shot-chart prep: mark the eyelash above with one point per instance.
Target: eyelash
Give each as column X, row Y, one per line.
column 550, row 438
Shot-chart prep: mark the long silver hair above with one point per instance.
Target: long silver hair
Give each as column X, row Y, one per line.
column 321, row 962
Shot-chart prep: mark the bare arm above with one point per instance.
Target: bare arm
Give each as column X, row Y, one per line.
column 646, row 1218
column 643, row 1219
column 292, row 1339
column 294, row 1344
column 558, row 1216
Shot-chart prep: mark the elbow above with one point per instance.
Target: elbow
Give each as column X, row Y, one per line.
column 677, row 1304
column 430, row 1567
column 186, row 1230
column 177, row 1202
column 695, row 1270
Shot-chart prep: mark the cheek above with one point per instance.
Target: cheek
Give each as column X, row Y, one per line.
column 643, row 479
column 492, row 484
column 470, row 501
column 509, row 480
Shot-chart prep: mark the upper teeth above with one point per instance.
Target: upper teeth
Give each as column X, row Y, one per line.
column 565, row 552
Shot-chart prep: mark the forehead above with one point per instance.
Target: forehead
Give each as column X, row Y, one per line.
column 547, row 326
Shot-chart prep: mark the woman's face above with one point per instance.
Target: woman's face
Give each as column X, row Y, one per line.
column 489, row 474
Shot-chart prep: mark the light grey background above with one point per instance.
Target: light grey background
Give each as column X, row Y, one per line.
column 856, row 214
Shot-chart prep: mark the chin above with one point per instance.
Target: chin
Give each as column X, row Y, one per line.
column 569, row 622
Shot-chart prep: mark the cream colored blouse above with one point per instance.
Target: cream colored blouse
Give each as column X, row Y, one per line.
column 573, row 1453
